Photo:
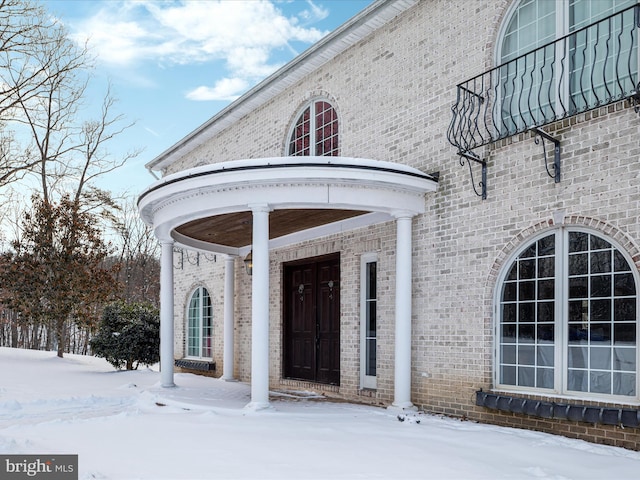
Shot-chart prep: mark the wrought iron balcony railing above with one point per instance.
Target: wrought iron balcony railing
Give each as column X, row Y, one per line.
column 591, row 67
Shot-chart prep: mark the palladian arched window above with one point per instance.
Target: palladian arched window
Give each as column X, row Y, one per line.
column 315, row 132
column 594, row 64
column 567, row 318
column 199, row 324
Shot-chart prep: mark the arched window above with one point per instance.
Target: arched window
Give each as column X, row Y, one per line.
column 315, row 131
column 558, row 78
column 567, row 318
column 199, row 324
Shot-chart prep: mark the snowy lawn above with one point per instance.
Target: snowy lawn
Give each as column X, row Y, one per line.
column 123, row 425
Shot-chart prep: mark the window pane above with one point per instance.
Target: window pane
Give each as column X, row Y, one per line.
column 578, row 357
column 509, row 292
column 578, row 287
column 624, row 308
column 620, row 264
column 545, row 356
column 624, row 334
column 578, row 380
column 509, row 354
column 546, row 289
column 526, row 376
column 371, row 319
column 546, row 312
column 527, row 269
column 371, row 280
column 601, row 262
column 513, row 272
column 508, row 375
column 578, row 334
column 508, row 333
column 598, row 243
column 545, row 378
column 547, row 246
column 624, row 359
column 578, row 310
column 624, row 285
column 601, row 286
column 371, row 357
column 600, row 358
column 545, row 333
column 600, row 310
column 509, row 312
column 600, row 382
column 526, row 312
column 578, row 241
column 624, row 384
column 526, row 333
column 578, row 264
column 546, row 267
column 526, row 291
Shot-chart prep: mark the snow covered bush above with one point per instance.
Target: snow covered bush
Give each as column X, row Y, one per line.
column 129, row 335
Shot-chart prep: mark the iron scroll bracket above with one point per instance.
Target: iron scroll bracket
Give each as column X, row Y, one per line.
column 472, row 157
column 542, row 136
column 635, row 99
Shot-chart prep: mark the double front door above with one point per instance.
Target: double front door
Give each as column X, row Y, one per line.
column 312, row 320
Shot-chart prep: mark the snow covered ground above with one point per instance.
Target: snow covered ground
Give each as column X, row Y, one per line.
column 123, row 425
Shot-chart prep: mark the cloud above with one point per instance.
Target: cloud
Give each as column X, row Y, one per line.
column 245, row 35
column 225, row 89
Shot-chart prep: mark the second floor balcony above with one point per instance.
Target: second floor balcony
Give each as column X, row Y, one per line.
column 589, row 68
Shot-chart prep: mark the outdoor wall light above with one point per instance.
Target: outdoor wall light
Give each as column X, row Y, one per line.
column 248, row 262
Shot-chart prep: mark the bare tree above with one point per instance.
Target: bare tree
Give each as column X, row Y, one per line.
column 43, row 122
column 138, row 256
column 28, row 37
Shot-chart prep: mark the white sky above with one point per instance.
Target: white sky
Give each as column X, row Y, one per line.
column 123, row 425
column 174, row 64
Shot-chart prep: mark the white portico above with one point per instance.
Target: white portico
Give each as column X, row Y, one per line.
column 256, row 205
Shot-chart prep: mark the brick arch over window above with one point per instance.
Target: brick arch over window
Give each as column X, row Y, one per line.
column 314, row 129
column 571, row 220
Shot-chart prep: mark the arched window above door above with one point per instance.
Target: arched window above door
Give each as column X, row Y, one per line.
column 315, row 132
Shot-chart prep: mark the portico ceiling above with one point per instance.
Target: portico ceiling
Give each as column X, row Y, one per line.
column 210, row 207
column 234, row 229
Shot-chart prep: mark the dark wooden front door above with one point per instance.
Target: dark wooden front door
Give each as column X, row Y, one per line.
column 312, row 320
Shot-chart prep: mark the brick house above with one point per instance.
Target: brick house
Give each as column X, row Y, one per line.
column 435, row 207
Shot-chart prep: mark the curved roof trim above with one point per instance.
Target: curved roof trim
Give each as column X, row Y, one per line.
column 363, row 24
column 284, row 183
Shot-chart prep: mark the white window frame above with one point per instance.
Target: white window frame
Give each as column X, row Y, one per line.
column 201, row 316
column 367, row 381
column 561, row 345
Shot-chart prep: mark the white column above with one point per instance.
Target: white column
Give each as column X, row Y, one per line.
column 166, row 314
column 229, row 284
column 260, row 309
column 402, row 391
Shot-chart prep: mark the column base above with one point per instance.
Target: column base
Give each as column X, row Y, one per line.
column 168, row 385
column 229, row 379
column 258, row 406
column 402, row 407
